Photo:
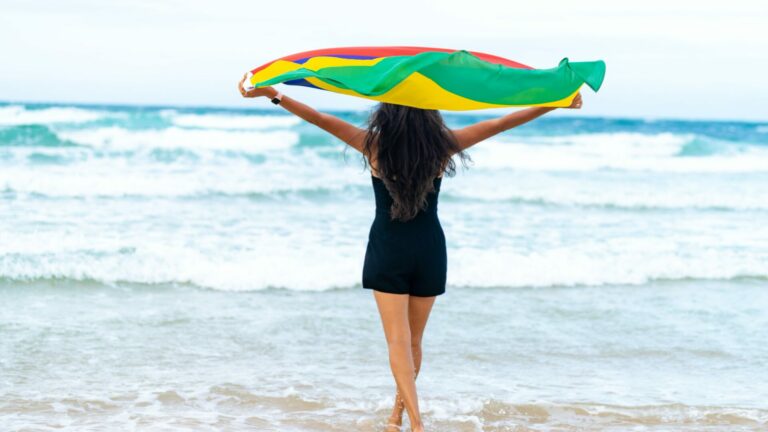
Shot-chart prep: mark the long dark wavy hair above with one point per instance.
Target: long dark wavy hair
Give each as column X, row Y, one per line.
column 411, row 146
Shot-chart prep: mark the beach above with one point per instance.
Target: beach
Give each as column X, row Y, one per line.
column 665, row 356
column 169, row 268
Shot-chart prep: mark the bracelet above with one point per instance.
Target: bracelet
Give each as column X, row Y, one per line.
column 277, row 99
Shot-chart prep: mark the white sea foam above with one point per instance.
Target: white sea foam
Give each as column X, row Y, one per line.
column 109, row 180
column 269, row 264
column 619, row 190
column 273, row 261
column 202, row 175
column 223, row 121
column 18, row 115
column 224, row 175
column 621, row 144
column 174, row 137
column 630, row 261
column 618, row 151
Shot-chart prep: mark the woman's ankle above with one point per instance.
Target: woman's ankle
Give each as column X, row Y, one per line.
column 397, row 416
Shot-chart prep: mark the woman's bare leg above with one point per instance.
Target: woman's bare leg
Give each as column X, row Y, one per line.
column 393, row 309
column 418, row 313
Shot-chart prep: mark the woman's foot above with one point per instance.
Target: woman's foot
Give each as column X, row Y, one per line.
column 391, row 427
column 395, row 422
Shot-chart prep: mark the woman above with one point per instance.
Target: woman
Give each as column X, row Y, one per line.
column 408, row 151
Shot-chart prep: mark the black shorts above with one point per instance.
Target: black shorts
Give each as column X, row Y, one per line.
column 406, row 257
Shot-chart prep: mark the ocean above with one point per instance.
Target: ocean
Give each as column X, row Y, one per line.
column 200, row 269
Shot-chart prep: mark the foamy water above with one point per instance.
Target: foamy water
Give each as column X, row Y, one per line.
column 188, row 269
column 665, row 356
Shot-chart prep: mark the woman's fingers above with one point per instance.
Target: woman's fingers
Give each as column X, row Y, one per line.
column 576, row 102
column 253, row 92
column 240, row 86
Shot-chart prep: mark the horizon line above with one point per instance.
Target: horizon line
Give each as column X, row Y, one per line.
column 485, row 112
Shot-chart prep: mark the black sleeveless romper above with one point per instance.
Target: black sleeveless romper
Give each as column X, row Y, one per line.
column 405, row 257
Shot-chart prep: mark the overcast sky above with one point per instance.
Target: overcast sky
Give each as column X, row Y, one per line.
column 678, row 59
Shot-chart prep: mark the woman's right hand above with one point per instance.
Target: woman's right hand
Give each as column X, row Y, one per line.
column 576, row 102
column 255, row 92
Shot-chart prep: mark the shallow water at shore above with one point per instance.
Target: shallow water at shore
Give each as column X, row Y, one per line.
column 664, row 356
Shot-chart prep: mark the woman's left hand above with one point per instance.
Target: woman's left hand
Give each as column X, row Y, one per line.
column 255, row 92
column 576, row 102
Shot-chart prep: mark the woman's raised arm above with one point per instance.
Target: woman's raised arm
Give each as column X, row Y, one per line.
column 473, row 134
column 347, row 132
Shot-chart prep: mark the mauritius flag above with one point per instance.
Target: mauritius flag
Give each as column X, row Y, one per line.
column 431, row 78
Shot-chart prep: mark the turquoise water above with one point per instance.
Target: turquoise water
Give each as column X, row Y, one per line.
column 170, row 268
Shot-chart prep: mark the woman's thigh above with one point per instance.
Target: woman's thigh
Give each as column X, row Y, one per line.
column 393, row 309
column 418, row 314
